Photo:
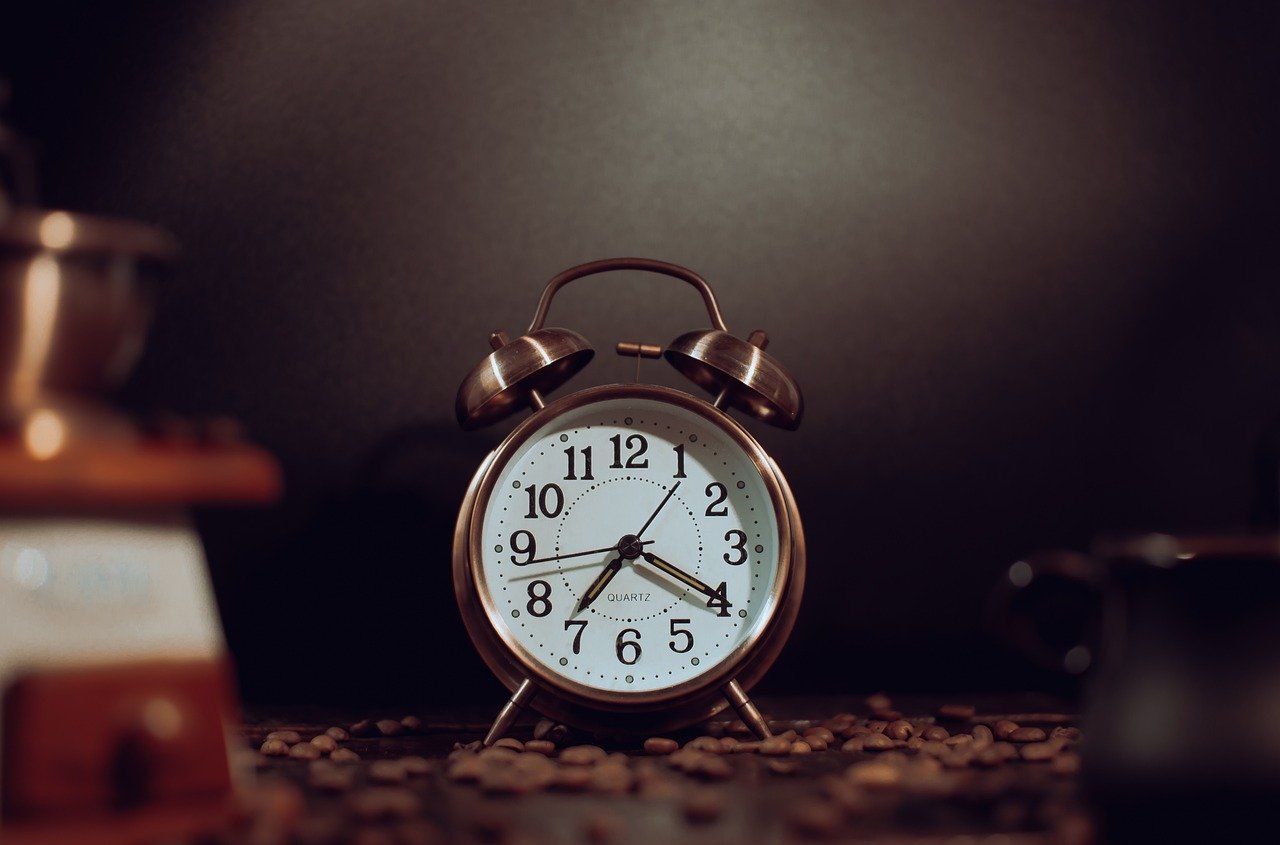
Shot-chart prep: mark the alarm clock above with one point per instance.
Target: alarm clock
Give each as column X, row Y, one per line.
column 629, row 558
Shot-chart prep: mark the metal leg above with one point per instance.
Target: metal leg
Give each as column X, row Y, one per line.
column 746, row 711
column 507, row 715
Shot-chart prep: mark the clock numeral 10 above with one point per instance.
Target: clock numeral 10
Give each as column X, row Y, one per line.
column 538, row 501
column 586, row 459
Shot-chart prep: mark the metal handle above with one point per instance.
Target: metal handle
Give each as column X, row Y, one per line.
column 1020, row 627
column 607, row 265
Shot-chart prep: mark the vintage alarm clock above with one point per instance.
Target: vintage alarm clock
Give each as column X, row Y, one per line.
column 629, row 558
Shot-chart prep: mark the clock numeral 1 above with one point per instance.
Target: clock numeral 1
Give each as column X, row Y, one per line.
column 740, row 545
column 634, row 441
column 680, row 632
column 539, row 600
column 586, row 460
column 577, row 638
column 720, row 600
column 679, row 450
column 538, row 502
column 622, row 644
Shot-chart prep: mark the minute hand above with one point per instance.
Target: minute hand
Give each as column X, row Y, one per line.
column 679, row 574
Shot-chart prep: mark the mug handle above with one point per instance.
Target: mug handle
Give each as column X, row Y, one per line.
column 1018, row 625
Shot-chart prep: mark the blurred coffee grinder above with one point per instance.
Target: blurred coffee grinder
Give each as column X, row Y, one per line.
column 116, row 691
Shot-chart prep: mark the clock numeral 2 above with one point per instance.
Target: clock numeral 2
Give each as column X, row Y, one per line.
column 634, row 441
column 577, row 638
column 539, row 601
column 720, row 600
column 538, row 501
column 586, row 460
column 623, row 643
column 719, row 495
column 739, row 546
column 680, row 632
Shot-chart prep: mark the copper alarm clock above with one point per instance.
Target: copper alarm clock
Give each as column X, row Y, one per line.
column 629, row 557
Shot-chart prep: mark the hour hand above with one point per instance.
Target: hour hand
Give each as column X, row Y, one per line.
column 597, row 586
column 679, row 574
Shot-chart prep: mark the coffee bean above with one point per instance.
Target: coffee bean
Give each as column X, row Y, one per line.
column 933, row 748
column 496, row 752
column 384, row 804
column 415, row 766
column 324, row 743
column 956, row 712
column 775, row 746
column 817, row 743
column 337, row 734
column 536, row 770
column 540, row 746
column 1065, row 764
column 855, row 730
column 1068, row 734
column 467, row 767
column 552, row 731
column 344, row 755
column 389, row 727
column 958, row 759
column 387, row 772
column 914, row 743
column 935, row 733
column 289, row 737
column 1034, row 752
column 275, row 748
column 330, row 778
column 304, row 751
column 364, row 727
column 879, row 701
column 958, row 740
column 1026, row 735
column 982, row 735
column 660, row 745
column 729, row 744
column 703, row 805
column 412, row 724
column 854, row 744
column 610, row 779
column 820, row 733
column 1003, row 728
column 876, row 742
column 509, row 742
column 582, row 755
column 840, row 723
column 852, row 799
column 877, row 726
column 704, row 743
column 875, row 776
column 602, row 829
column 782, row 767
column 572, row 778
column 900, row 729
column 801, row 747
column 748, row 747
column 812, row 817
column 995, row 754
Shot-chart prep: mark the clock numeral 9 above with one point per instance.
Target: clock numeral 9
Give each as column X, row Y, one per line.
column 539, row 600
column 538, row 501
column 680, row 632
column 577, row 638
column 720, row 600
column 586, row 459
column 623, row 643
column 740, row 545
column 717, row 492
column 634, row 441
column 528, row 549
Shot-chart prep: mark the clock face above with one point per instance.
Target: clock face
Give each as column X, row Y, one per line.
column 629, row 545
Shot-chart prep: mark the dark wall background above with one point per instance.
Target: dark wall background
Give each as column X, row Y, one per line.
column 1021, row 256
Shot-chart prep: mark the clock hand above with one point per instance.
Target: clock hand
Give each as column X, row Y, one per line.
column 612, row 548
column 598, row 585
column 661, row 505
column 680, row 575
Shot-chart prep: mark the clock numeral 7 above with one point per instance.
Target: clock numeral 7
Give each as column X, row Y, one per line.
column 720, row 600
column 577, row 638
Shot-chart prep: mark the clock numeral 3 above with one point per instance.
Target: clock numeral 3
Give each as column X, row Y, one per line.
column 740, row 546
column 527, row 550
column 634, row 441
column 720, row 600
column 577, row 638
column 623, row 643
column 586, row 460
column 719, row 495
column 539, row 600
column 538, row 501
column 680, row 632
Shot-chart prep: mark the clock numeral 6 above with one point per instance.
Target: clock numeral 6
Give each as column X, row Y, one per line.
column 634, row 441
column 720, row 600
column 739, row 545
column 528, row 548
column 717, row 492
column 680, row 632
column 539, row 599
column 538, row 501
column 623, row 644
column 577, row 638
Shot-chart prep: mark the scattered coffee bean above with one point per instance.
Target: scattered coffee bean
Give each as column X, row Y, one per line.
column 983, row 735
column 854, row 744
column 337, row 734
column 610, row 778
column 509, row 742
column 324, row 743
column 957, row 740
column 817, row 743
column 729, row 744
column 876, row 742
column 552, row 731
column 582, row 755
column 900, row 729
column 572, row 778
column 782, row 767
column 877, row 726
column 389, row 727
column 540, row 746
column 304, row 751
column 412, row 724
column 1036, row 752
column 364, row 727
column 749, row 747
column 387, row 772
column 660, row 745
column 465, row 768
column 801, row 747
column 384, row 804
column 775, row 746
column 840, row 723
column 329, row 778
column 914, row 743
column 275, row 748
column 1003, row 728
column 879, row 701
column 703, row 805
column 1026, row 735
column 822, row 733
column 344, row 755
column 289, row 737
column 1068, row 734
column 956, row 712
column 812, row 817
column 704, row 743
column 415, row 766
column 602, row 829
column 933, row 748
column 713, row 767
column 875, row 775
column 1067, row 763
column 935, row 733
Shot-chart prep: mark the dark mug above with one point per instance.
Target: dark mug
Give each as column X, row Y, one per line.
column 1182, row 714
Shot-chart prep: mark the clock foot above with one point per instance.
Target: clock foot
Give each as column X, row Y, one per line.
column 507, row 715
column 746, row 711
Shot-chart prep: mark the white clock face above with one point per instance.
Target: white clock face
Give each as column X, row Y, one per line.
column 630, row 545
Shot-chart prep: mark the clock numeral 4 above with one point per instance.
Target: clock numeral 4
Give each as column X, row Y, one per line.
column 622, row 644
column 739, row 545
column 586, row 461
column 539, row 501
column 539, row 599
column 638, row 443
column 719, row 495
column 680, row 632
column 720, row 600
column 581, row 625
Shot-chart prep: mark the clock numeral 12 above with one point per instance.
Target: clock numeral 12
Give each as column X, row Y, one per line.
column 634, row 441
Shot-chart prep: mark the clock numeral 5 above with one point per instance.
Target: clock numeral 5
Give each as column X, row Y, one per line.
column 622, row 644
column 577, row 638
column 538, row 501
column 740, row 545
column 720, row 600
column 680, row 632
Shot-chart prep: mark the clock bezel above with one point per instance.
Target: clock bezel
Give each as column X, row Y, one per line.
column 562, row 698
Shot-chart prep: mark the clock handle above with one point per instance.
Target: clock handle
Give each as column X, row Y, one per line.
column 610, row 264
column 746, row 711
column 510, row 711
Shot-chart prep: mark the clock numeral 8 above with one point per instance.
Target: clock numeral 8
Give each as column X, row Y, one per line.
column 622, row 644
column 740, row 545
column 539, row 601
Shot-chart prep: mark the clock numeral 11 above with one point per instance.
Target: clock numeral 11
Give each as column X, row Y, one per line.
column 586, row 459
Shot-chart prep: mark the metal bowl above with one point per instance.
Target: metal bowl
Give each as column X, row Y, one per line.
column 75, row 302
